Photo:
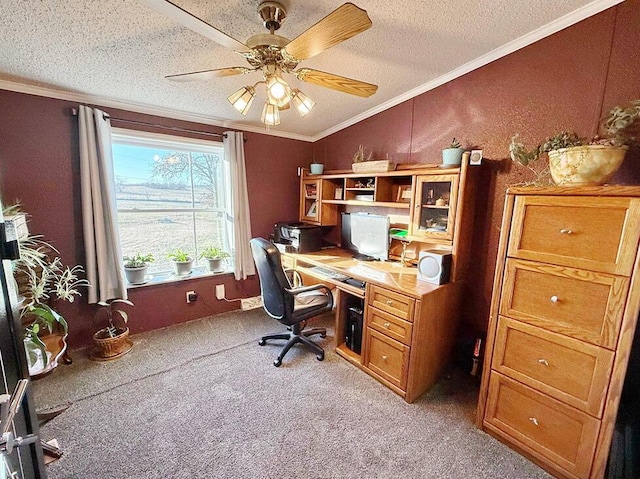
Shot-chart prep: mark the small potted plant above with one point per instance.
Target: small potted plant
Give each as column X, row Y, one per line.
column 182, row 262
column 576, row 161
column 215, row 258
column 136, row 266
column 316, row 168
column 112, row 340
column 452, row 156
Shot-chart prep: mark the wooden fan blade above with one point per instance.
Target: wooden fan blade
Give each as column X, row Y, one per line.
column 335, row 82
column 341, row 24
column 192, row 22
column 209, row 74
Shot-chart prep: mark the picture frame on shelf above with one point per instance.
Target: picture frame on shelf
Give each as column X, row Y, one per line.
column 404, row 194
column 338, row 194
column 312, row 209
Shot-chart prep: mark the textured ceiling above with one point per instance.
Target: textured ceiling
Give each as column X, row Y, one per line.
column 119, row 51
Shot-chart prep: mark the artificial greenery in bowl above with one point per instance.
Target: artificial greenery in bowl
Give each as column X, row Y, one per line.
column 576, row 160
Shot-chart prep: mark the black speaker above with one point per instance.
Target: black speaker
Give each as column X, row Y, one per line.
column 434, row 266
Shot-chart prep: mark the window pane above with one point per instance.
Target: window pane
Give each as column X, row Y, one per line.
column 162, row 186
column 158, row 234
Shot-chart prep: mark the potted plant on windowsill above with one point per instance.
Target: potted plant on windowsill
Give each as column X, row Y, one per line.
column 136, row 266
column 215, row 258
column 111, row 341
column 182, row 262
column 576, row 161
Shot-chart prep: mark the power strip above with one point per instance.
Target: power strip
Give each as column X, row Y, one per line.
column 251, row 303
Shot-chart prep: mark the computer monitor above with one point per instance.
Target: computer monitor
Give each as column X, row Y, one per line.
column 370, row 234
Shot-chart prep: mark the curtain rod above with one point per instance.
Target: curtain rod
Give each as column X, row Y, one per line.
column 74, row 112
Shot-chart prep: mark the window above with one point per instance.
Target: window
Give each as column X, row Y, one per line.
column 172, row 193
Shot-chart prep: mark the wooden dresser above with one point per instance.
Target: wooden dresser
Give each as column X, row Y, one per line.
column 564, row 310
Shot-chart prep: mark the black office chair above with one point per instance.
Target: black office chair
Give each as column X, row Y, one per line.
column 291, row 306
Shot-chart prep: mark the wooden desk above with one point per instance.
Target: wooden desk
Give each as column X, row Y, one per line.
column 409, row 325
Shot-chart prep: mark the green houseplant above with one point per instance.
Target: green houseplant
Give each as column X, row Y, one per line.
column 112, row 340
column 136, row 266
column 576, row 161
column 452, row 156
column 182, row 262
column 215, row 257
column 41, row 283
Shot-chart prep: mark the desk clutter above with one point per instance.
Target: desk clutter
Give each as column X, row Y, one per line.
column 394, row 247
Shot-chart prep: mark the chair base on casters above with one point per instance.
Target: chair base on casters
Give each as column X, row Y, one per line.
column 297, row 335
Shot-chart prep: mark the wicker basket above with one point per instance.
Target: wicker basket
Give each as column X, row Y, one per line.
column 375, row 166
column 107, row 348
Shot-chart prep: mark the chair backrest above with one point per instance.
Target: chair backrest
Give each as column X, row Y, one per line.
column 273, row 281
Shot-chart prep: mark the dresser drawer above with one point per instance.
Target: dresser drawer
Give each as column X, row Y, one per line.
column 572, row 371
column 389, row 325
column 542, row 425
column 599, row 234
column 391, row 302
column 387, row 358
column 577, row 303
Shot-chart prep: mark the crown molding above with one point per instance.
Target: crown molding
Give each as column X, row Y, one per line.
column 141, row 108
column 555, row 26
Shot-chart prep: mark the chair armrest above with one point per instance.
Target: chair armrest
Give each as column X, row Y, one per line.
column 305, row 289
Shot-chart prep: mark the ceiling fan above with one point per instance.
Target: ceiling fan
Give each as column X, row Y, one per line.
column 274, row 55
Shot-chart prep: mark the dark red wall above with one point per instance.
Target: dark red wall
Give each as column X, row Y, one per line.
column 562, row 82
column 565, row 81
column 39, row 165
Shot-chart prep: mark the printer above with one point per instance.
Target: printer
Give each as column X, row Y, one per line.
column 296, row 237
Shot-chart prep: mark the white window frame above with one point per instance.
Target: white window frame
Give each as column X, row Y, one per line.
column 178, row 143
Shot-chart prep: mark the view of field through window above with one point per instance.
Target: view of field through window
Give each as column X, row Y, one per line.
column 169, row 197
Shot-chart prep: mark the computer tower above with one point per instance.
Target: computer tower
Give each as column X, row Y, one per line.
column 353, row 336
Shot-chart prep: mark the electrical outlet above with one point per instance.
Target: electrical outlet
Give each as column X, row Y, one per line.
column 219, row 291
column 251, row 303
column 192, row 296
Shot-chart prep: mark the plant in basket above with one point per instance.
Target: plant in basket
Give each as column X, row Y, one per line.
column 112, row 340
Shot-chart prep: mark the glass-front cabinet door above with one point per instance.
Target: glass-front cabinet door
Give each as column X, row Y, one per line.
column 435, row 206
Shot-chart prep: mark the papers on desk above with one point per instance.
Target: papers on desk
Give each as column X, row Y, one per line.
column 368, row 272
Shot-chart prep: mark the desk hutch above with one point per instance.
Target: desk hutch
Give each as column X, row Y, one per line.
column 409, row 325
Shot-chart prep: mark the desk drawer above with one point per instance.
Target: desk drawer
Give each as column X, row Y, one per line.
column 387, row 358
column 572, row 371
column 391, row 302
column 599, row 234
column 577, row 303
column 390, row 325
column 544, row 426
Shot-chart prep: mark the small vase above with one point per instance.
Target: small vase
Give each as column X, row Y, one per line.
column 182, row 268
column 452, row 156
column 215, row 265
column 316, row 168
column 136, row 275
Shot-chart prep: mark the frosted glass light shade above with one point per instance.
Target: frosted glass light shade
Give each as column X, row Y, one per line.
column 278, row 91
column 242, row 99
column 270, row 114
column 302, row 102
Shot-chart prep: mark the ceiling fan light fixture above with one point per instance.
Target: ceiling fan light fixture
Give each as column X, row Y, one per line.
column 270, row 114
column 302, row 102
column 242, row 99
column 278, row 91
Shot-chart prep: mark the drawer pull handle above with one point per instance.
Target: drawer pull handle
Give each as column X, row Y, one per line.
column 387, row 325
column 543, row 362
column 534, row 421
column 566, row 231
column 554, row 299
column 389, row 302
column 384, row 357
